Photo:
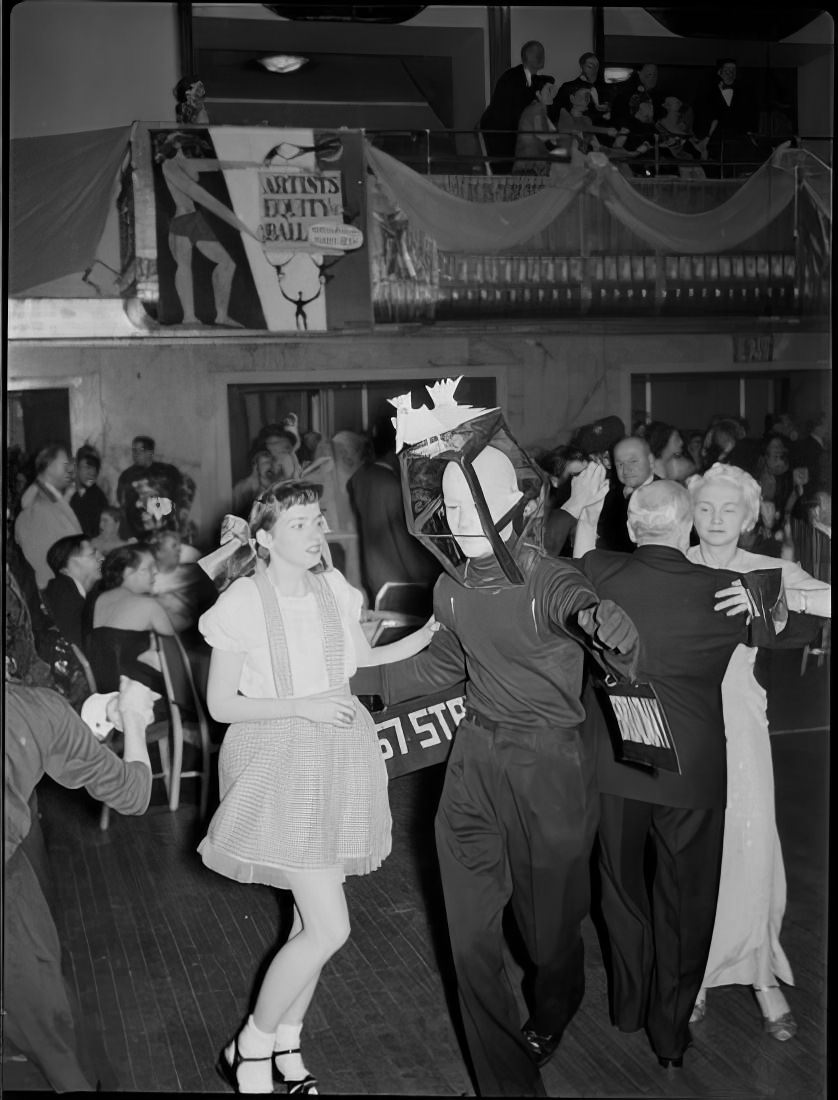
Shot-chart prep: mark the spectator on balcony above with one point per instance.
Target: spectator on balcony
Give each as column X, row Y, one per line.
column 676, row 137
column 577, row 122
column 513, row 92
column 598, row 106
column 536, row 133
column 88, row 499
column 726, row 116
column 637, row 137
column 643, row 82
column 189, row 94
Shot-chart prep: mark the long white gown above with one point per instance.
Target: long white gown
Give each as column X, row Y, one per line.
column 746, row 949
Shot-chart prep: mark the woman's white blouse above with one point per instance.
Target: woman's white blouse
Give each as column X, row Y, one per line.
column 236, row 623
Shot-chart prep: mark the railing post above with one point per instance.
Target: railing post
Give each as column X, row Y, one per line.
column 657, row 156
column 427, row 152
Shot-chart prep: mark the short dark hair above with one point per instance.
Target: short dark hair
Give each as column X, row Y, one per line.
column 144, row 441
column 48, row 454
column 60, row 552
column 275, row 431
column 184, row 84
column 658, row 434
column 725, row 61
column 120, row 559
column 87, row 453
column 585, row 57
column 528, row 46
column 541, row 81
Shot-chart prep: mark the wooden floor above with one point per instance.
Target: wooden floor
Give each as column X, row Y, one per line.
column 162, row 955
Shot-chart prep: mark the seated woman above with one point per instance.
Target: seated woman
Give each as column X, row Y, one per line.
column 536, row 133
column 680, row 141
column 577, row 123
column 178, row 580
column 638, row 140
column 109, row 538
column 124, row 615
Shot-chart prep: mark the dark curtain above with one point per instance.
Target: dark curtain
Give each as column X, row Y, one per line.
column 61, row 188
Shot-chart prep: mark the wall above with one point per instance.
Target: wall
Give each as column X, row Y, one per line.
column 548, row 383
column 78, row 66
column 566, row 33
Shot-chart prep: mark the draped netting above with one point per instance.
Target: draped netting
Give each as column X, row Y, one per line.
column 458, row 225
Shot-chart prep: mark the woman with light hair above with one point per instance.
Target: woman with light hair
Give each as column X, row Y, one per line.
column 746, row 949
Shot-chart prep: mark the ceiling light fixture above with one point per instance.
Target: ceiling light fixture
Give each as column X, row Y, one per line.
column 616, row 74
column 283, row 62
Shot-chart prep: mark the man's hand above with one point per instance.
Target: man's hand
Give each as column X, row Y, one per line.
column 588, row 489
column 734, row 600
column 609, row 625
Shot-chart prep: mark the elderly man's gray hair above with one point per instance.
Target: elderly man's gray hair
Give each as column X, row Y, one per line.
column 658, row 510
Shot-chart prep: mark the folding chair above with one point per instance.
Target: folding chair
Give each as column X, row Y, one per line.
column 187, row 718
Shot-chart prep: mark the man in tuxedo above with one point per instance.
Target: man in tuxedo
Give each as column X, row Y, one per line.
column 633, row 467
column 77, row 566
column 689, row 624
column 727, row 117
column 513, row 92
column 88, row 501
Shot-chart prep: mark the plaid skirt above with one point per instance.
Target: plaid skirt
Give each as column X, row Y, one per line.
column 299, row 796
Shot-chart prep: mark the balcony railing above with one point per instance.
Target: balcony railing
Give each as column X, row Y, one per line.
column 587, row 262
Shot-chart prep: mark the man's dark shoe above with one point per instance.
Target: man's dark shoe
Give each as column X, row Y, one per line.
column 542, row 1047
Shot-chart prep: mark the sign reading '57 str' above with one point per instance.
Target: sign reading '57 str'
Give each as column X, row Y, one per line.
column 419, row 733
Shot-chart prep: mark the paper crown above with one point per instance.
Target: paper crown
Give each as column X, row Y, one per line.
column 418, row 425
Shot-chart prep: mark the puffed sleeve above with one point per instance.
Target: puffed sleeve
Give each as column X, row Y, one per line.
column 350, row 600
column 227, row 624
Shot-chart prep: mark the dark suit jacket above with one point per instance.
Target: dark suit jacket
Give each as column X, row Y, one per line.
column 810, row 453
column 511, row 95
column 88, row 508
column 66, row 605
column 612, row 532
column 685, row 647
column 736, row 120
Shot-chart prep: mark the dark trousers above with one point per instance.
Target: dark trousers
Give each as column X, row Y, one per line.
column 39, row 1018
column 659, row 936
column 516, row 823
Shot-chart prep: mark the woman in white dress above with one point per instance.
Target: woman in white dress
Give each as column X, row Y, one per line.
column 302, row 780
column 746, row 949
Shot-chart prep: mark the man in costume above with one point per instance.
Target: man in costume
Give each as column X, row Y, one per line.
column 517, row 816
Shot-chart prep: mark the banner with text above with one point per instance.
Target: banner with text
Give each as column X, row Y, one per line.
column 419, row 733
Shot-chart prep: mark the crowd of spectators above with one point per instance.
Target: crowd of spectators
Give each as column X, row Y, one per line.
column 793, row 469
column 646, row 129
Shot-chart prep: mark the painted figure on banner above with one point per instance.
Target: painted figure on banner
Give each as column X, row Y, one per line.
column 189, row 230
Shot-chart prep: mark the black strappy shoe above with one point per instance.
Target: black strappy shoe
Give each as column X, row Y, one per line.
column 307, row 1084
column 228, row 1071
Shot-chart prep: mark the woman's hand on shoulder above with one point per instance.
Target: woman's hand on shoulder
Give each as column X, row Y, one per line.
column 330, row 711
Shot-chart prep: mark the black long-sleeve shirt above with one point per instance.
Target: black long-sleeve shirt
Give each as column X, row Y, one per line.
column 518, row 645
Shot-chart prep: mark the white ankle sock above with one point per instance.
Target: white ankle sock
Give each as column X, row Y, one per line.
column 291, row 1066
column 253, row 1077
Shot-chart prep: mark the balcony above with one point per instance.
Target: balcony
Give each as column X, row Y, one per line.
column 590, row 260
column 588, row 263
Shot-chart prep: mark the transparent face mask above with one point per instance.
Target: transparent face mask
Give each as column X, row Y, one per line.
column 423, row 466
